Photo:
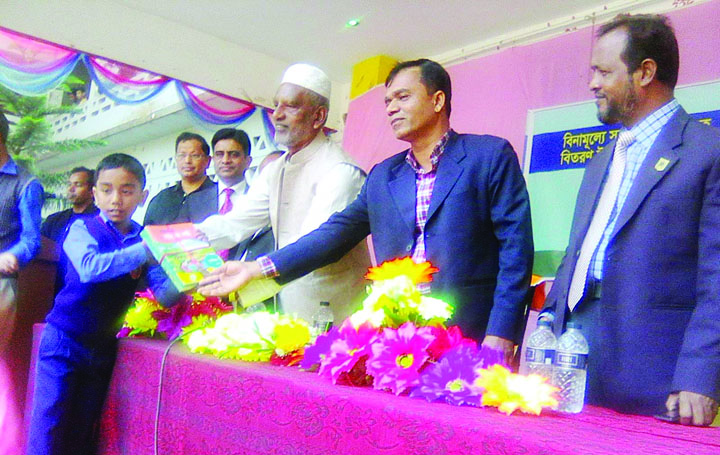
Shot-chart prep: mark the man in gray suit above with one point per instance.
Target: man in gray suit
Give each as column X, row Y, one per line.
column 642, row 269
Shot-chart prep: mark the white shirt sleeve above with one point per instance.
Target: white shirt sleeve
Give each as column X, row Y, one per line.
column 250, row 212
column 334, row 192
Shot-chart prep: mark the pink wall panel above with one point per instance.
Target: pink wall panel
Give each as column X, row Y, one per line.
column 492, row 94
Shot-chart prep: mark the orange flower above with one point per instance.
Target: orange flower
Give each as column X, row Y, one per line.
column 418, row 273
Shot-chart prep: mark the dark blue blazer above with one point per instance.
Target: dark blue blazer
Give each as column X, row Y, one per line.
column 478, row 231
column 659, row 323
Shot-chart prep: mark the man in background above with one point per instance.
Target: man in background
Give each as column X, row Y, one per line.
column 80, row 196
column 298, row 192
column 231, row 158
column 642, row 269
column 194, row 197
column 21, row 199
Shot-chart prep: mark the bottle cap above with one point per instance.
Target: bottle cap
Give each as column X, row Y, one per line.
column 574, row 325
column 324, row 303
column 544, row 322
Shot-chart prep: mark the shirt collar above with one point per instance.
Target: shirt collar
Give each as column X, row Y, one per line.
column 92, row 208
column 10, row 167
column 238, row 187
column 647, row 129
column 434, row 156
column 306, row 154
column 134, row 231
column 205, row 184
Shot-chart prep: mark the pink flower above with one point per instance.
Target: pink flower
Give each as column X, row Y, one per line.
column 316, row 353
column 397, row 357
column 350, row 346
column 446, row 339
column 172, row 321
column 146, row 294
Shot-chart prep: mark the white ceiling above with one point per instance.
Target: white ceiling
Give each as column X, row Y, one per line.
column 314, row 30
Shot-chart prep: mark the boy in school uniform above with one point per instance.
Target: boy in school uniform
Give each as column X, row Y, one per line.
column 78, row 345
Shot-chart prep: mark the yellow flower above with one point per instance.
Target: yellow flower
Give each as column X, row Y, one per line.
column 200, row 320
column 388, row 294
column 248, row 354
column 509, row 391
column 139, row 316
column 418, row 273
column 290, row 334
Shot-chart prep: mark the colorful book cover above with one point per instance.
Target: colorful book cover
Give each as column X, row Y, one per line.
column 185, row 258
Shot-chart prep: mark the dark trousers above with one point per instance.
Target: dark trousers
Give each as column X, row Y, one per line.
column 71, row 382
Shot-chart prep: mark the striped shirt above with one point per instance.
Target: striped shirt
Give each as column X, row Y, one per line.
column 645, row 134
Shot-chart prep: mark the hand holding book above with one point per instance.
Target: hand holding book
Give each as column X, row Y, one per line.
column 184, row 257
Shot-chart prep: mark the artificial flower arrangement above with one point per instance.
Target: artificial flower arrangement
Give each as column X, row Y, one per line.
column 398, row 342
column 147, row 318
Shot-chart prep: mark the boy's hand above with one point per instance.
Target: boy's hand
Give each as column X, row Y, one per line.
column 229, row 277
column 8, row 263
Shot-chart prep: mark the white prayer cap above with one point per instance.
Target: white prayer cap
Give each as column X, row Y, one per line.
column 309, row 77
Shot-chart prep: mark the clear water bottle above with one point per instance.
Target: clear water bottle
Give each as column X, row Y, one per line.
column 260, row 306
column 322, row 320
column 570, row 372
column 540, row 350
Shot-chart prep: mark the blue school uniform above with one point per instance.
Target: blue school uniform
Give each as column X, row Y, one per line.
column 78, row 346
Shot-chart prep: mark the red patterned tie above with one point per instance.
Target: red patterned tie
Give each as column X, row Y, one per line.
column 227, row 205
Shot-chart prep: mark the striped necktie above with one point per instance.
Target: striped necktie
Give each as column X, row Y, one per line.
column 600, row 218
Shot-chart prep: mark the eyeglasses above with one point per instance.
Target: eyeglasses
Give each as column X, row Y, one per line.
column 234, row 154
column 192, row 156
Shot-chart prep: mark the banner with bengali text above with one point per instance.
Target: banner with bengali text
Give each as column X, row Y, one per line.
column 560, row 142
column 571, row 149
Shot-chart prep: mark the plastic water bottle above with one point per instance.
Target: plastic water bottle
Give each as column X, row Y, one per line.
column 540, row 350
column 322, row 320
column 570, row 371
column 260, row 306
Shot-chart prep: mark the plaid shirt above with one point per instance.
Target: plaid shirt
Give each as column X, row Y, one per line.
column 267, row 267
column 424, row 184
column 645, row 134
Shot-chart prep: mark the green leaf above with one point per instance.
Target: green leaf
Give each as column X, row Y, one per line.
column 32, row 137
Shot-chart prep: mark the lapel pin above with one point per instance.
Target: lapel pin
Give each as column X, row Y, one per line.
column 661, row 164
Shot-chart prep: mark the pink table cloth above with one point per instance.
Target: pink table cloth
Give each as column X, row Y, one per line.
column 213, row 406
